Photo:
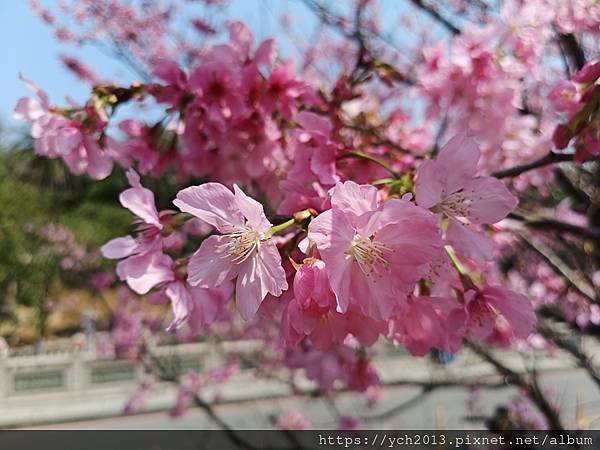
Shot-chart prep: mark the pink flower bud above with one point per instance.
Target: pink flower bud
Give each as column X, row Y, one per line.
column 562, row 136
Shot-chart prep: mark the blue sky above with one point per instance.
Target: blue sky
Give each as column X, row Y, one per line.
column 30, row 48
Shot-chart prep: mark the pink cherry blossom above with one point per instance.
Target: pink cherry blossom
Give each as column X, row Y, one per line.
column 425, row 323
column 244, row 250
column 197, row 306
column 340, row 363
column 448, row 185
column 57, row 136
column 397, row 238
column 140, row 201
column 494, row 306
column 312, row 312
column 588, row 73
column 565, row 97
column 374, row 253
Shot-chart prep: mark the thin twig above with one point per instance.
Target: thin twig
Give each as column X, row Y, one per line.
column 367, row 157
column 155, row 366
column 583, row 360
column 381, row 140
column 553, row 224
column 389, row 413
column 437, row 16
column 560, row 267
column 550, row 158
column 572, row 50
column 529, row 384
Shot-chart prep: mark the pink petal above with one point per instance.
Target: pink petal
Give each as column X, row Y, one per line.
column 133, row 178
column 181, row 304
column 40, row 93
column 213, row 203
column 458, row 158
column 209, row 267
column 259, row 276
column 249, row 292
column 516, row 308
column 118, row 248
column 340, row 279
column 144, row 272
column 266, row 53
column 313, row 123
column 491, row 201
column 169, row 71
column 241, row 38
column 252, row 210
column 273, row 276
column 131, row 127
column 99, row 163
column 68, row 139
column 374, row 295
column 354, row 198
column 454, row 166
column 140, row 201
column 410, row 231
column 332, row 234
column 467, row 242
column 209, row 303
column 28, row 109
column 429, row 185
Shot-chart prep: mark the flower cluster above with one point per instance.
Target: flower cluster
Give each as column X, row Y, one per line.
column 320, row 211
column 579, row 99
column 372, row 264
column 71, row 135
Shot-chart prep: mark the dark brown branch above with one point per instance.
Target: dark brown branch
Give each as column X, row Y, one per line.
column 553, row 224
column 583, row 360
column 379, row 137
column 528, row 384
column 153, row 364
column 437, row 16
column 366, row 157
column 555, row 314
column 550, row 158
column 574, row 278
column 391, row 412
column 366, row 56
column 572, row 50
column 570, row 187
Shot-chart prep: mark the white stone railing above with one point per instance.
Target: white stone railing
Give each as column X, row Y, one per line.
column 76, row 385
column 82, row 370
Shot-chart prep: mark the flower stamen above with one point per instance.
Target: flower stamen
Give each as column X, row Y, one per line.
column 368, row 253
column 242, row 244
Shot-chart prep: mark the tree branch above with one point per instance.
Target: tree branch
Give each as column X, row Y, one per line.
column 572, row 50
column 583, row 360
column 366, row 157
column 156, row 367
column 553, row 224
column 574, row 278
column 437, row 16
column 550, row 158
column 531, row 386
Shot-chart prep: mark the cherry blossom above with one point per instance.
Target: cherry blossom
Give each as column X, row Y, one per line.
column 244, row 250
column 374, row 253
column 58, row 136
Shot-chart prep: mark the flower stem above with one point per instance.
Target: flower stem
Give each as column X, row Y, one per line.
column 282, row 226
column 455, row 262
column 464, row 276
column 365, row 156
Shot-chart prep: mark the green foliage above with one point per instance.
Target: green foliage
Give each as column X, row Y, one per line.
column 35, row 192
